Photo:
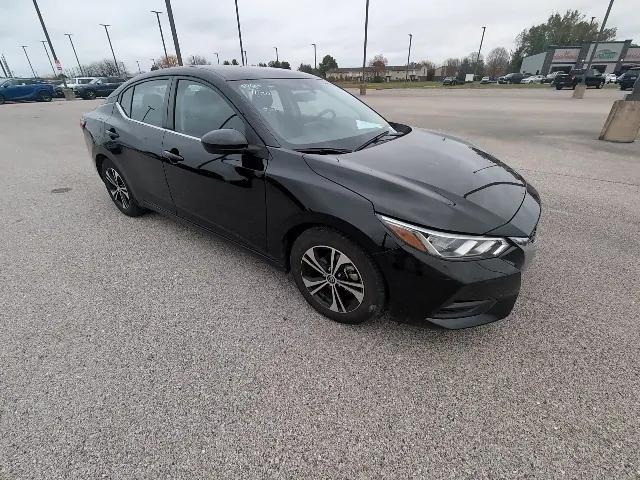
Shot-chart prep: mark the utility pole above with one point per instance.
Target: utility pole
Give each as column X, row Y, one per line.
column 315, row 58
column 157, row 12
column 475, row 72
column 46, row 34
column 406, row 76
column 277, row 59
column 24, row 47
column 74, row 52
column 110, row 45
column 218, row 57
column 363, row 86
column 139, row 71
column 6, row 66
column 173, row 31
column 580, row 90
column 239, row 33
column 44, row 45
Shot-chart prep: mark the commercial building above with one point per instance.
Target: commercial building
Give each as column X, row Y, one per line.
column 392, row 73
column 610, row 57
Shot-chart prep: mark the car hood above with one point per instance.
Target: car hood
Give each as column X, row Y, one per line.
column 430, row 179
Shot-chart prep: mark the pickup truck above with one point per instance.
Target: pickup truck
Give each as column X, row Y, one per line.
column 570, row 80
column 19, row 89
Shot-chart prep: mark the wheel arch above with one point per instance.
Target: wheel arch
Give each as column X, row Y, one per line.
column 327, row 221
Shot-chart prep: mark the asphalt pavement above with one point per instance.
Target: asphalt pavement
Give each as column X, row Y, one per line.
column 144, row 348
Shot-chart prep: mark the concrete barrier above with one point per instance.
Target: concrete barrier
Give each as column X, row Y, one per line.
column 623, row 122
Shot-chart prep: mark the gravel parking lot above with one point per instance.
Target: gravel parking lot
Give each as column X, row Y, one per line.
column 144, row 348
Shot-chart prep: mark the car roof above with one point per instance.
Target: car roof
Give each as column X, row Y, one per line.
column 232, row 72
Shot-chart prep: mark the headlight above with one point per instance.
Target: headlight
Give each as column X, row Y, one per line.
column 446, row 245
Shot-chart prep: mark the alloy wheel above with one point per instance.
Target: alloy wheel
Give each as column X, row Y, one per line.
column 332, row 279
column 117, row 188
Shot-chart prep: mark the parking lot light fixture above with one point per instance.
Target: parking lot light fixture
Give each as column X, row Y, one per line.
column 4, row 72
column 406, row 76
column 164, row 46
column 363, row 85
column 46, row 35
column 174, row 33
column 315, row 57
column 239, row 33
column 475, row 72
column 44, row 45
column 111, row 46
column 579, row 92
column 74, row 52
column 6, row 66
column 24, row 47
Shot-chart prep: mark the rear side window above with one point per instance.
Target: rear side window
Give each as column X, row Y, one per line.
column 200, row 109
column 148, row 101
column 125, row 101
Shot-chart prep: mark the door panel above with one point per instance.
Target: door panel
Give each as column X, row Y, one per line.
column 137, row 146
column 223, row 192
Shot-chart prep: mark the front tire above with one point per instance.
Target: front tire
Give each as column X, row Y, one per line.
column 89, row 95
column 119, row 190
column 336, row 276
column 2, row 100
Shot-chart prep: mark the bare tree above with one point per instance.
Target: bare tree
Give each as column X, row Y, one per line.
column 379, row 65
column 451, row 67
column 197, row 60
column 497, row 62
column 168, row 61
column 104, row 68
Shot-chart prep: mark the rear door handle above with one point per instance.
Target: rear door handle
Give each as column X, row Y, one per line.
column 172, row 157
column 112, row 133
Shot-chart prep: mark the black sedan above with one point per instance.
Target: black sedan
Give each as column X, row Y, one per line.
column 628, row 79
column 98, row 87
column 366, row 214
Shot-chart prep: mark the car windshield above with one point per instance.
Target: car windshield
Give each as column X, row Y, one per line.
column 312, row 113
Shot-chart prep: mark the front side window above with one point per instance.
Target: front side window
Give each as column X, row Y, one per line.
column 200, row 109
column 148, row 101
column 309, row 113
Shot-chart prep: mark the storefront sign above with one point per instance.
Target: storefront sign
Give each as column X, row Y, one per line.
column 565, row 55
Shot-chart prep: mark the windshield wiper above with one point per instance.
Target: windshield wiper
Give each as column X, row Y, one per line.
column 323, row 150
column 378, row 137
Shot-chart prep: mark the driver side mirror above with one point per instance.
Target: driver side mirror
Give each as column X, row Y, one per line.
column 225, row 140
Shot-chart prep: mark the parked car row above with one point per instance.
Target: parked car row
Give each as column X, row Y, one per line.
column 37, row 89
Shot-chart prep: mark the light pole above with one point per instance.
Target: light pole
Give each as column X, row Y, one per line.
column 172, row 24
column 4, row 72
column 246, row 61
column 580, row 90
column 363, row 86
column 139, row 71
column 406, row 76
column 218, row 57
column 111, row 46
column 277, row 59
column 24, row 47
column 46, row 34
column 315, row 58
column 6, row 66
column 44, row 45
column 239, row 33
column 475, row 72
column 74, row 52
column 164, row 46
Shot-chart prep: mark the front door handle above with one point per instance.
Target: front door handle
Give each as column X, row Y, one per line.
column 112, row 133
column 172, row 157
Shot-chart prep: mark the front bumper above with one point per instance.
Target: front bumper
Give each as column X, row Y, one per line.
column 452, row 294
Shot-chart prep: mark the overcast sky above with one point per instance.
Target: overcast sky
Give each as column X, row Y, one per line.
column 441, row 29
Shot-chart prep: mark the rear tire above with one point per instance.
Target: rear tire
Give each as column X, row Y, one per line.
column 89, row 95
column 558, row 87
column 2, row 100
column 44, row 97
column 119, row 191
column 336, row 276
